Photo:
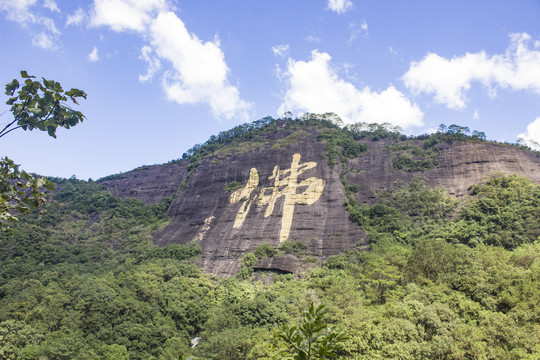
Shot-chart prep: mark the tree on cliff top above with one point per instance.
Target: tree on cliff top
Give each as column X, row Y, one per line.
column 37, row 105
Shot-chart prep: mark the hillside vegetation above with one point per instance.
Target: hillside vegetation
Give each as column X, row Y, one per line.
column 444, row 279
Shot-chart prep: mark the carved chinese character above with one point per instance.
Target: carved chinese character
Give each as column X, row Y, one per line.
column 244, row 194
column 284, row 186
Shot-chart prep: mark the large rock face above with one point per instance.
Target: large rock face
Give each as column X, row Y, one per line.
column 461, row 164
column 281, row 187
column 296, row 197
column 149, row 183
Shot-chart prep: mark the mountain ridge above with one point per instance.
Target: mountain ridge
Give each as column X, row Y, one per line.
column 351, row 162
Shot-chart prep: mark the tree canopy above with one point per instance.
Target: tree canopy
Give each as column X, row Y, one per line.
column 84, row 281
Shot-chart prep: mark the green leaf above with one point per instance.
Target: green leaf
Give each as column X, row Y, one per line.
column 73, row 121
column 25, row 75
column 52, row 131
column 42, row 125
column 12, row 100
column 49, row 185
column 11, row 87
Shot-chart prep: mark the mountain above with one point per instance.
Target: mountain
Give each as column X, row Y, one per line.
column 422, row 247
column 277, row 182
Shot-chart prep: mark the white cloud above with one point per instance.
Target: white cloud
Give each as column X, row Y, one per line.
column 313, row 39
column 153, row 64
column 76, row 18
column 279, row 73
column 200, row 72
column 49, row 24
column 51, row 5
column 280, row 50
column 531, row 137
column 476, row 116
column 94, row 55
column 42, row 28
column 44, row 41
column 22, row 11
column 122, row 15
column 364, row 26
column 357, row 31
column 313, row 86
column 450, row 79
column 18, row 10
column 339, row 6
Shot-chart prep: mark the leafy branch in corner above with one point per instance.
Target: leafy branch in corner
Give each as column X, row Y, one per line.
column 34, row 105
column 41, row 105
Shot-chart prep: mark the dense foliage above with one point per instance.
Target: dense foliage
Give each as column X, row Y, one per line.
column 82, row 281
column 444, row 279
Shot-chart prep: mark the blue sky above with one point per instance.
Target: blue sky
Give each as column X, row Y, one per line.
column 163, row 75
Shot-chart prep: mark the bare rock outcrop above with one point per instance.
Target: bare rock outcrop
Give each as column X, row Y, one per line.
column 204, row 212
column 277, row 190
column 148, row 183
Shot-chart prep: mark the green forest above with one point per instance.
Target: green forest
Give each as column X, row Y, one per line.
column 443, row 279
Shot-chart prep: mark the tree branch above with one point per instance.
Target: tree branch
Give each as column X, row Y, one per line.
column 7, row 126
column 17, row 118
column 10, row 130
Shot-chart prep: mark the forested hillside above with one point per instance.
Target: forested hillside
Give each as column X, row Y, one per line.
column 445, row 277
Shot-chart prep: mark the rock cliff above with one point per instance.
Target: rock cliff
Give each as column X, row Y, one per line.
column 279, row 185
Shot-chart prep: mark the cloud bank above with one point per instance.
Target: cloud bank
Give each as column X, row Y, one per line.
column 313, row 86
column 126, row 15
column 450, row 79
column 27, row 14
column 198, row 72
